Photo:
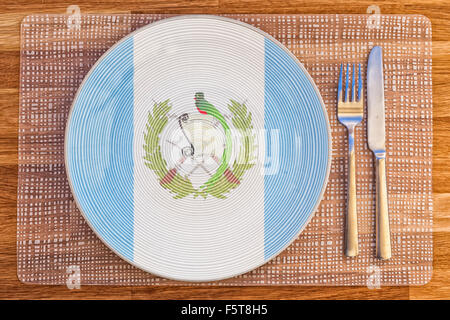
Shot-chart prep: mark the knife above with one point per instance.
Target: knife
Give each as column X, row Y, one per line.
column 376, row 141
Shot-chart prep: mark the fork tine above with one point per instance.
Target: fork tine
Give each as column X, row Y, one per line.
column 359, row 83
column 353, row 83
column 340, row 86
column 346, row 95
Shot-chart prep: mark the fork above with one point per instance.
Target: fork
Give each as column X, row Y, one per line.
column 350, row 113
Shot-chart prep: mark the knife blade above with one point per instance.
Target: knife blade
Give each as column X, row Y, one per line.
column 375, row 102
column 377, row 143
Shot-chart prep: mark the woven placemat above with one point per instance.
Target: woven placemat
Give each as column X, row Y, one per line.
column 53, row 239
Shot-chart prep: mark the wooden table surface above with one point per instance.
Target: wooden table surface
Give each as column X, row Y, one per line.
column 13, row 11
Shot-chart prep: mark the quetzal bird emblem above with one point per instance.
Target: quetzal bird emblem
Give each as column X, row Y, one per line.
column 227, row 176
column 204, row 107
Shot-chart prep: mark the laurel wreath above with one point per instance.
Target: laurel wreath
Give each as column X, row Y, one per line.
column 181, row 186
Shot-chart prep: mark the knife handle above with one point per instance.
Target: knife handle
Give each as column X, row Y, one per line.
column 351, row 224
column 382, row 211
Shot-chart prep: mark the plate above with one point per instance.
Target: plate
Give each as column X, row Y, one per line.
column 198, row 148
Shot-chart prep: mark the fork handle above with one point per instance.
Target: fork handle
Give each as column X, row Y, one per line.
column 382, row 211
column 351, row 224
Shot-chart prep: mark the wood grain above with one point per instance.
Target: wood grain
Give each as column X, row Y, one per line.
column 11, row 14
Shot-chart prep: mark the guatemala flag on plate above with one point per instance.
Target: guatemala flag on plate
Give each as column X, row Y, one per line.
column 197, row 148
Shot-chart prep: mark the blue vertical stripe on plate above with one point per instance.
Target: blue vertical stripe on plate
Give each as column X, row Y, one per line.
column 293, row 107
column 99, row 148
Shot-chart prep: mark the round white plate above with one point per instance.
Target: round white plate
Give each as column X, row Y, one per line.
column 198, row 148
